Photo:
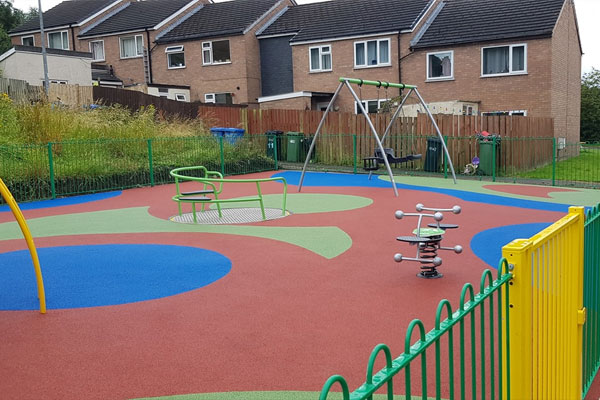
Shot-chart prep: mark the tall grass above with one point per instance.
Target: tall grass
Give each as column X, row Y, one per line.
column 42, row 123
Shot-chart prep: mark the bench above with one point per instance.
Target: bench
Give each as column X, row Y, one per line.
column 212, row 187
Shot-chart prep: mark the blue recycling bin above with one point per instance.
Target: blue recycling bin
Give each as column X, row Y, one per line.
column 232, row 135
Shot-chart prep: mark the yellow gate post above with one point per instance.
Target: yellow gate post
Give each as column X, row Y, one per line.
column 9, row 199
column 546, row 311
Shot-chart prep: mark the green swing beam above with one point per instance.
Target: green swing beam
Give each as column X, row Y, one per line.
column 377, row 83
column 413, row 89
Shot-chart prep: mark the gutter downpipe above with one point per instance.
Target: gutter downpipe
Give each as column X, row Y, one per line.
column 149, row 56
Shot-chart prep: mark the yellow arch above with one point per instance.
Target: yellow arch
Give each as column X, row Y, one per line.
column 9, row 199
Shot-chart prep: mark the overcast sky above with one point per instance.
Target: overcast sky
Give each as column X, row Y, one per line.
column 588, row 12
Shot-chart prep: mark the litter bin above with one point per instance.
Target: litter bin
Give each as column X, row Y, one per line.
column 306, row 142
column 232, row 135
column 273, row 140
column 433, row 156
column 486, row 156
column 294, row 141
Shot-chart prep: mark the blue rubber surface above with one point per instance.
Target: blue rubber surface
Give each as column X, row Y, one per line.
column 102, row 275
column 361, row 180
column 487, row 244
column 64, row 201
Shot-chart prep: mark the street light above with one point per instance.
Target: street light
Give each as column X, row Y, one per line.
column 44, row 57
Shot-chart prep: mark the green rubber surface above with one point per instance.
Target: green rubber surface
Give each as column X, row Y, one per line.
column 579, row 197
column 310, row 203
column 326, row 241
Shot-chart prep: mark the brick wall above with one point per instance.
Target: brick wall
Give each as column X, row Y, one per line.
column 566, row 76
column 241, row 77
column 342, row 55
column 530, row 92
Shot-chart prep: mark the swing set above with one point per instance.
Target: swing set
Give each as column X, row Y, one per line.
column 382, row 155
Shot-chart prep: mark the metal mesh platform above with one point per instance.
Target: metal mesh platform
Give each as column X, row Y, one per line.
column 230, row 216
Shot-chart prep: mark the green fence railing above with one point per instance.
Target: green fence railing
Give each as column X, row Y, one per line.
column 36, row 172
column 591, row 298
column 480, row 372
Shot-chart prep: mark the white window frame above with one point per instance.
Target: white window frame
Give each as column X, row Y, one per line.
column 180, row 97
column 321, row 53
column 61, row 39
column 103, row 52
column 379, row 103
column 379, row 64
column 441, row 78
column 27, row 37
column 207, row 47
column 510, row 60
column 209, row 98
column 212, row 97
column 135, row 38
column 59, row 81
column 174, row 50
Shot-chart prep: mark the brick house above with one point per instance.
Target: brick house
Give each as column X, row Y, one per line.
column 63, row 23
column 519, row 57
column 307, row 48
column 123, row 38
column 215, row 51
column 524, row 58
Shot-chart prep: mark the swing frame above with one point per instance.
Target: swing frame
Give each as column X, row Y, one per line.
column 347, row 82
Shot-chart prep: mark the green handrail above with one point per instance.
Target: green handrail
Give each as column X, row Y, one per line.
column 466, row 309
column 217, row 186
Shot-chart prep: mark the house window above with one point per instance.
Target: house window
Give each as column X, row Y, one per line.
column 97, row 50
column 58, row 81
column 504, row 60
column 216, row 52
column 180, row 97
column 27, row 41
column 58, row 40
column 372, row 53
column 175, row 57
column 132, row 46
column 218, row 98
column 372, row 106
column 320, row 58
column 163, row 92
column 440, row 65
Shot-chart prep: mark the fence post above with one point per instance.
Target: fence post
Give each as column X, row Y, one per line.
column 51, row 165
column 150, row 162
column 553, row 161
column 494, row 159
column 354, row 151
column 222, row 155
column 275, row 150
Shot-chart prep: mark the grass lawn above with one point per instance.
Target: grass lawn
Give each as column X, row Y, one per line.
column 583, row 168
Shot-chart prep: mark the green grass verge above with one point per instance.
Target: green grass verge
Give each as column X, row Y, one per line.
column 583, row 168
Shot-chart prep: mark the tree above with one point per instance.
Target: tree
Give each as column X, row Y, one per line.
column 10, row 18
column 590, row 106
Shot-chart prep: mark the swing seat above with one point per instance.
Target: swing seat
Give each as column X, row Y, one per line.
column 392, row 159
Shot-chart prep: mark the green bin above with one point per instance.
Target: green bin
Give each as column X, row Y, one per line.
column 486, row 157
column 294, row 142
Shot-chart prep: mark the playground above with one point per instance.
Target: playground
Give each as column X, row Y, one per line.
column 141, row 306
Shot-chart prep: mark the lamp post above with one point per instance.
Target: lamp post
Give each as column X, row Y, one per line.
column 44, row 57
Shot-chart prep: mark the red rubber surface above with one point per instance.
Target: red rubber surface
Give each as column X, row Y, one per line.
column 284, row 318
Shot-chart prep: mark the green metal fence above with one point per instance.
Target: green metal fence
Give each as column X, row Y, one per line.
column 53, row 170
column 476, row 372
column 591, row 298
column 527, row 160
